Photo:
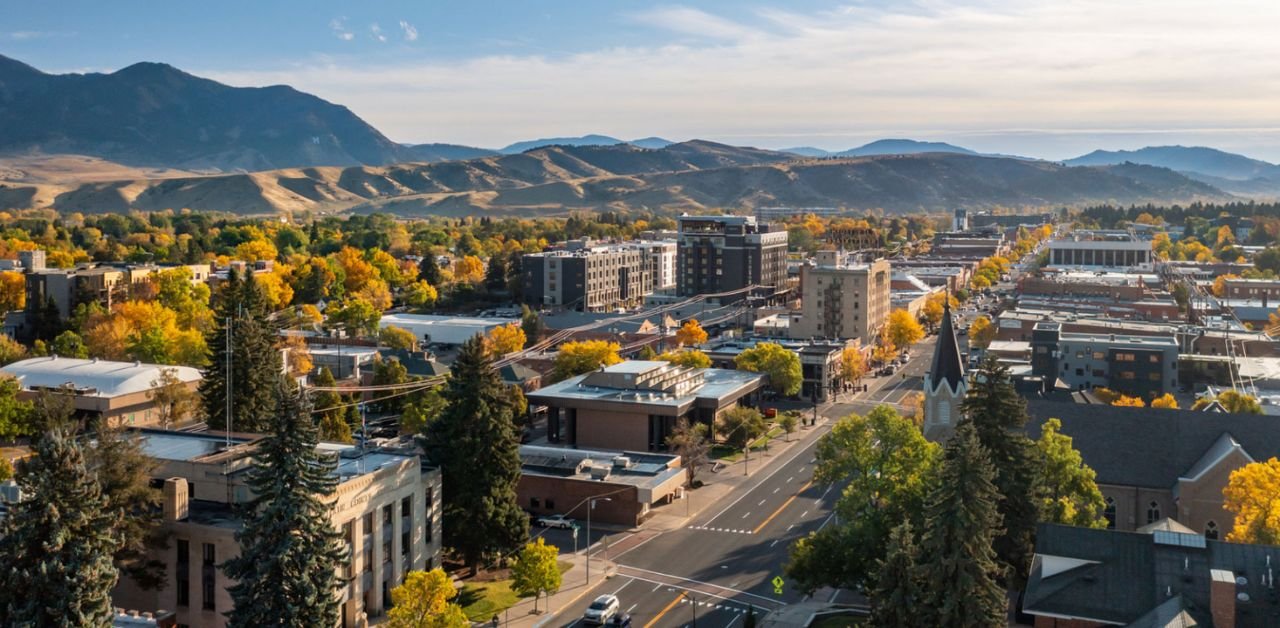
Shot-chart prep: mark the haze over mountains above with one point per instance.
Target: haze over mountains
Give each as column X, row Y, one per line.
column 173, row 140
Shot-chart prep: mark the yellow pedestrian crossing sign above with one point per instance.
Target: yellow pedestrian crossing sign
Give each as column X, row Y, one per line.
column 777, row 585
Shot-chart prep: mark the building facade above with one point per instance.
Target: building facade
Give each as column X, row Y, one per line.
column 842, row 297
column 1142, row 366
column 588, row 279
column 1113, row 249
column 725, row 253
column 661, row 256
column 386, row 507
column 120, row 393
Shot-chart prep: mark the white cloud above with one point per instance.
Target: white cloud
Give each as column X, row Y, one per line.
column 931, row 69
column 339, row 27
column 410, row 32
column 376, row 32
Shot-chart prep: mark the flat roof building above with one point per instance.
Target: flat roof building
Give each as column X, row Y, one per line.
column 842, row 297
column 724, row 253
column 118, row 392
column 1142, row 366
column 590, row 278
column 1116, row 249
column 556, row 480
column 446, row 330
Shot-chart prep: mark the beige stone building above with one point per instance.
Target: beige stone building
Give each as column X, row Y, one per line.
column 842, row 297
column 386, row 506
column 119, row 392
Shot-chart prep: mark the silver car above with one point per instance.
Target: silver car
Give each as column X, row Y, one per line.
column 601, row 610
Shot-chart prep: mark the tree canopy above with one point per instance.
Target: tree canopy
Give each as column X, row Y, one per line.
column 576, row 358
column 781, row 365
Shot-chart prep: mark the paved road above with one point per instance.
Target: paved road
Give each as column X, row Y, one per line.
column 722, row 562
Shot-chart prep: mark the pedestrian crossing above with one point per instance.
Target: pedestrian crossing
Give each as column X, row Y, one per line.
column 730, row 530
column 712, row 606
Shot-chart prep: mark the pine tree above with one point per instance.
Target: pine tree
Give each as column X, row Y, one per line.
column 429, row 269
column 56, row 543
column 123, row 469
column 531, row 323
column 998, row 414
column 333, row 420
column 474, row 441
column 961, row 521
column 894, row 602
column 255, row 362
column 289, row 550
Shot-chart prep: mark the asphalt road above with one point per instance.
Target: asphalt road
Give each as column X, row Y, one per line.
column 723, row 562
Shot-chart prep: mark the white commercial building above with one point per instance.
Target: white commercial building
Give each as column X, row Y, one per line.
column 447, row 330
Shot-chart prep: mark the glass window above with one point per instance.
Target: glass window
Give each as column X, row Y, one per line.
column 367, row 524
column 210, row 554
column 386, row 515
column 1211, row 530
column 1109, row 513
column 1153, row 512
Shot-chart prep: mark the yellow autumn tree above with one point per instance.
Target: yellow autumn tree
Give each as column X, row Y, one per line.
column 468, row 269
column 1129, row 402
column 356, row 271
column 853, row 365
column 256, row 250
column 904, row 329
column 1253, row 495
column 575, row 358
column 13, row 291
column 982, row 332
column 145, row 331
column 691, row 333
column 1165, row 402
column 505, row 339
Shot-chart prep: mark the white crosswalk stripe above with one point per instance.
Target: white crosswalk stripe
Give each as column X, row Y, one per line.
column 730, row 530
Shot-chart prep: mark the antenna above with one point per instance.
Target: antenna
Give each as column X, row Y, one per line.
column 227, row 354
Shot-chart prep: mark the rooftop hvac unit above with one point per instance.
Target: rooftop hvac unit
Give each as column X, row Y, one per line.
column 600, row 472
column 622, row 462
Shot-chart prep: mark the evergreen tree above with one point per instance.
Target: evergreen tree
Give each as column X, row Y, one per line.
column 475, row 442
column 123, row 469
column 531, row 323
column 894, row 602
column 255, row 362
column 46, row 321
column 289, row 551
column 56, row 543
column 961, row 520
column 998, row 414
column 332, row 420
column 495, row 277
column 429, row 269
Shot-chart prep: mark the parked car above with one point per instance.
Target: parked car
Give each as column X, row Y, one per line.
column 555, row 521
column 601, row 610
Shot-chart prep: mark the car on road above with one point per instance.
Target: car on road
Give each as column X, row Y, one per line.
column 621, row 620
column 601, row 610
column 555, row 521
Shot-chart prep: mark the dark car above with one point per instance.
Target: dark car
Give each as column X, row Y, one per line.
column 620, row 620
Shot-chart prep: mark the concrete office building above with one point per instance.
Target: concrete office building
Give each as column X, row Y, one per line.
column 1143, row 366
column 724, row 253
column 555, row 480
column 1113, row 249
column 661, row 256
column 588, row 279
column 386, row 507
column 842, row 297
column 117, row 392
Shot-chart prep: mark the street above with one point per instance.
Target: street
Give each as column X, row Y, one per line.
column 723, row 561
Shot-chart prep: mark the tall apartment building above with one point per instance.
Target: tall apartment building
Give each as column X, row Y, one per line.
column 588, row 278
column 724, row 253
column 842, row 297
column 386, row 506
column 1142, row 366
column 661, row 256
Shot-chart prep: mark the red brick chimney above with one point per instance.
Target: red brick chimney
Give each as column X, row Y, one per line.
column 1222, row 598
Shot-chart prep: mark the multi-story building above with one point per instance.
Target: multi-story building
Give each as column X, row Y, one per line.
column 725, row 253
column 661, row 256
column 119, row 393
column 1143, row 366
column 105, row 285
column 820, row 372
column 1267, row 290
column 588, row 278
column 842, row 297
column 1112, row 249
column 386, row 507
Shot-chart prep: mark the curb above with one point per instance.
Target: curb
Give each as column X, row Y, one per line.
column 610, row 571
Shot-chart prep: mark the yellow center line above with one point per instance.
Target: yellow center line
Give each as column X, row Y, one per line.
column 664, row 611
column 780, row 509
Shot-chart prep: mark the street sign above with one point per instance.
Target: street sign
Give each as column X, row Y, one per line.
column 777, row 585
column 575, row 533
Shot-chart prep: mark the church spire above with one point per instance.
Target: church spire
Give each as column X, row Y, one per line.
column 947, row 365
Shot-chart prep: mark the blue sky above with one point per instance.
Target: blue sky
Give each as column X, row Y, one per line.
column 1046, row 78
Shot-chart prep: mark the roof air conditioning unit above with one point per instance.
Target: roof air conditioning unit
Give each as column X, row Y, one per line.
column 622, row 462
column 600, row 473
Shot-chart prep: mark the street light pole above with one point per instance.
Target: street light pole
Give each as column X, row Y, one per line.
column 591, row 505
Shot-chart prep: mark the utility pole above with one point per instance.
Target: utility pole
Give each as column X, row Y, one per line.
column 227, row 357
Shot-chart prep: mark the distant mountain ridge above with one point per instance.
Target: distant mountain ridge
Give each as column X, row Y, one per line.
column 686, row 176
column 152, row 114
column 1229, row 171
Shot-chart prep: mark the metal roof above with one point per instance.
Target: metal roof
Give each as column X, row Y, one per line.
column 93, row 378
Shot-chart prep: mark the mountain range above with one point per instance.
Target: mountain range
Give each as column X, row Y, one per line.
column 151, row 136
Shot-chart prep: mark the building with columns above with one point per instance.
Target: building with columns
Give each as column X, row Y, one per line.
column 945, row 384
column 386, row 507
column 1100, row 249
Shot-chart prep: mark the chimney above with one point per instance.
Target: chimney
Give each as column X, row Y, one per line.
column 1222, row 598
column 177, row 500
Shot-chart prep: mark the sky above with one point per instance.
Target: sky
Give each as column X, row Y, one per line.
column 1041, row 78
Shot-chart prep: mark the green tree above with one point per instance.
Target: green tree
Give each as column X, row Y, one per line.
column 390, row 372
column 69, row 344
column 56, row 543
column 11, row 350
column 421, row 409
column 429, row 270
column 535, row 571
column 689, row 441
column 896, row 598
column 397, row 338
column 889, row 467
column 331, row 418
column 778, row 363
column 123, row 469
column 956, row 552
column 173, row 398
column 15, row 414
column 740, row 426
column 254, row 361
column 531, row 323
column 287, row 535
column 647, row 353
column 788, row 421
column 998, row 414
column 1065, row 484
column 356, row 315
column 474, row 441
column 423, row 602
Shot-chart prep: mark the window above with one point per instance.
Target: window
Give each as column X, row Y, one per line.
column 1098, row 355
column 1153, row 512
column 386, row 551
column 1155, row 359
column 1211, row 530
column 183, row 573
column 551, row 504
column 367, row 526
column 533, row 502
column 1109, row 513
column 1079, row 372
column 406, row 507
column 368, row 558
column 210, row 554
column 386, row 515
column 1126, row 375
column 1155, row 377
column 207, row 593
column 1079, row 355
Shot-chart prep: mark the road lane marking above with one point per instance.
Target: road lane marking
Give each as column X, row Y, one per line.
column 782, row 508
column 791, row 478
column 701, row 582
column 670, row 606
column 732, row 621
column 775, row 542
column 790, row 526
column 633, row 607
column 775, row 491
column 762, row 501
column 804, row 514
column 826, row 521
column 656, row 587
column 623, row 587
column 746, row 514
column 766, row 478
column 824, row 493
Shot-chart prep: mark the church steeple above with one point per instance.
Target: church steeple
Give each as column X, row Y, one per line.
column 947, row 365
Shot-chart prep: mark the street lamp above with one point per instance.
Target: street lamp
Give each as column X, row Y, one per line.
column 693, row 603
column 591, row 506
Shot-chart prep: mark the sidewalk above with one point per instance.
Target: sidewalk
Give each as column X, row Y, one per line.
column 572, row 587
